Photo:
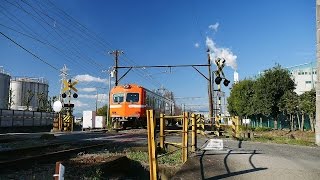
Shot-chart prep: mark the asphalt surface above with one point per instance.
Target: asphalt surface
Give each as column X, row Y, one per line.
column 252, row 160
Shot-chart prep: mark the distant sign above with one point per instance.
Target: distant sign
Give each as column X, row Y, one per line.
column 246, row 121
column 213, row 144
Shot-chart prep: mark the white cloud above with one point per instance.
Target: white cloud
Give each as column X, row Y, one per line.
column 214, row 26
column 88, row 78
column 88, row 96
column 87, row 89
column 101, row 97
column 224, row 53
column 78, row 103
column 196, row 45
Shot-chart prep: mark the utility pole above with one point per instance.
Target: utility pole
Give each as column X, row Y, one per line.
column 210, row 89
column 116, row 54
column 96, row 101
column 64, row 77
column 317, row 127
column 109, row 72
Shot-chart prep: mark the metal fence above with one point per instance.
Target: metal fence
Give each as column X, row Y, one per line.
column 17, row 118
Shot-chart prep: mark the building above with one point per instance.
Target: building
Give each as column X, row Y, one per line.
column 4, row 88
column 28, row 93
column 304, row 76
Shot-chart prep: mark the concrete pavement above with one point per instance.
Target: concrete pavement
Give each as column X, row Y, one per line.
column 249, row 160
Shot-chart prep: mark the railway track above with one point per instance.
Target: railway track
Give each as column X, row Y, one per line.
column 19, row 160
column 47, row 154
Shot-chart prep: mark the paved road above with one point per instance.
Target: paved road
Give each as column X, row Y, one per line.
column 250, row 160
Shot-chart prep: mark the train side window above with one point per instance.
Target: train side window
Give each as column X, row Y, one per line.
column 118, row 98
column 147, row 100
column 132, row 97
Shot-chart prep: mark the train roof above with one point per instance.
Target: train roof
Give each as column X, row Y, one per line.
column 125, row 86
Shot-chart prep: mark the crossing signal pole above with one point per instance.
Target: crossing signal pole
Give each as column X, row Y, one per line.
column 219, row 76
column 210, row 89
column 116, row 54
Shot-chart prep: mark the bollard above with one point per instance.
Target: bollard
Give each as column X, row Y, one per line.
column 194, row 133
column 162, row 128
column 59, row 171
column 153, row 165
column 198, row 119
column 202, row 124
column 185, row 137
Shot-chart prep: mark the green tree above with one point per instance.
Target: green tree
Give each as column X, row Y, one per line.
column 103, row 111
column 289, row 104
column 240, row 101
column 308, row 106
column 262, row 106
column 270, row 87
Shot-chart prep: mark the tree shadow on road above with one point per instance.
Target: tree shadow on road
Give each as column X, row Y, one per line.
column 229, row 173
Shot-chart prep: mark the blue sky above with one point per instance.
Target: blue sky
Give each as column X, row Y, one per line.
column 253, row 34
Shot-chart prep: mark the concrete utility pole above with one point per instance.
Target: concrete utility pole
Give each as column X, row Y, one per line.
column 317, row 128
column 64, row 77
column 116, row 54
column 210, row 89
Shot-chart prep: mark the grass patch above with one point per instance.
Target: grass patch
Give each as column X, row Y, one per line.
column 138, row 156
column 262, row 129
column 283, row 140
column 171, row 159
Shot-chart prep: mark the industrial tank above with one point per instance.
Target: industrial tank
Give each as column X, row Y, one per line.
column 4, row 89
column 26, row 89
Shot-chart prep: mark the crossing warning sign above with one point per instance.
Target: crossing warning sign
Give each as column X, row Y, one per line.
column 67, row 118
column 69, row 85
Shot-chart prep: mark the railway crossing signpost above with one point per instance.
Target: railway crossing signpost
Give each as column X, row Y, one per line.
column 65, row 122
column 68, row 119
column 219, row 76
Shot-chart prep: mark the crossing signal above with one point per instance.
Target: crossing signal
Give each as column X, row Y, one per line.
column 226, row 82
column 64, row 95
column 75, row 95
column 218, row 80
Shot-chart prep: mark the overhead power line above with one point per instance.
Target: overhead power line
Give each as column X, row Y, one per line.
column 42, row 60
column 165, row 66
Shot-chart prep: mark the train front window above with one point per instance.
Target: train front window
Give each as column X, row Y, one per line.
column 118, row 98
column 132, row 97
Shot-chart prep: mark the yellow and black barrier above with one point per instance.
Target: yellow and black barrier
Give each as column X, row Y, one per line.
column 200, row 124
column 235, row 127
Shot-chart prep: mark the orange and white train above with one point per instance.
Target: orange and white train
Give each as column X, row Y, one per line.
column 128, row 105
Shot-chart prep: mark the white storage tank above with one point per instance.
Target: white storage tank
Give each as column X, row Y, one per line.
column 33, row 89
column 4, row 89
column 88, row 119
column 100, row 122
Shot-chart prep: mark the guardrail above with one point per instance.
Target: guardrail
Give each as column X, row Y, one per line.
column 197, row 121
